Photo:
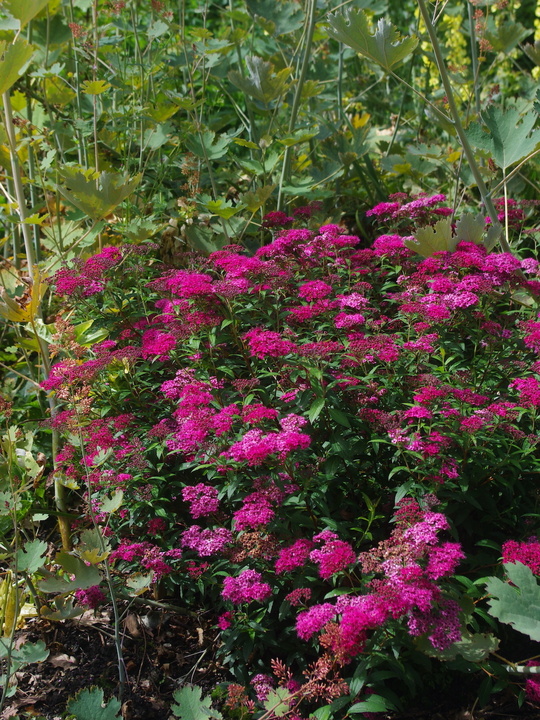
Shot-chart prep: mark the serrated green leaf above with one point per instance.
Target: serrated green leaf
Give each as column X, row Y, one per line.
column 474, row 647
column 191, row 706
column 25, row 655
column 286, row 17
column 533, row 51
column 470, row 228
column 32, row 556
column 299, row 136
column 518, row 606
column 139, row 582
column 113, row 503
column 88, row 705
column 261, row 82
column 277, row 702
column 205, row 145
column 384, row 46
column 506, row 37
column 510, row 136
column 95, row 194
column 429, row 240
column 255, row 199
column 15, row 58
column 64, row 610
column 24, row 11
column 85, row 575
column 223, row 208
column 95, row 87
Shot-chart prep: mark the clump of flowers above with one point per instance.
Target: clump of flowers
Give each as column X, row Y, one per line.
column 270, row 405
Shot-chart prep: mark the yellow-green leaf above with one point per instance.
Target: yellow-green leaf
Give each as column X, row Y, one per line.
column 95, row 87
column 97, row 195
column 429, row 240
column 15, row 57
column 24, row 10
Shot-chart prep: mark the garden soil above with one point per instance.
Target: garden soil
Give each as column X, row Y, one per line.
column 162, row 653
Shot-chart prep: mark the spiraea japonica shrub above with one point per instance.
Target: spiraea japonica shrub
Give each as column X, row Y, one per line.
column 267, row 415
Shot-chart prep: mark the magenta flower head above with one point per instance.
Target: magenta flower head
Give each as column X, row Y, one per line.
column 277, row 219
column 245, row 588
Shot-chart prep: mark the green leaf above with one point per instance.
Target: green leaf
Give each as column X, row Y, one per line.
column 508, row 140
column 507, row 36
column 429, row 240
column 316, row 409
column 286, row 17
column 277, row 702
column 32, row 556
column 374, row 703
column 518, row 606
column 26, row 654
column 139, row 582
column 470, row 228
column 85, row 575
column 261, row 82
column 191, row 706
column 64, row 610
column 95, row 87
column 298, row 137
column 24, row 10
column 474, row 647
column 339, row 417
column 15, row 57
column 205, row 146
column 223, row 208
column 88, row 705
column 533, row 51
column 384, row 46
column 255, row 199
column 113, row 503
column 95, row 194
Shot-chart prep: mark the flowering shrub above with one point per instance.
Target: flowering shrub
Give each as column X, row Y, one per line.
column 270, row 413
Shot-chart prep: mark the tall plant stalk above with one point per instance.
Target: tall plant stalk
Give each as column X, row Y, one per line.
column 456, row 118
column 308, row 42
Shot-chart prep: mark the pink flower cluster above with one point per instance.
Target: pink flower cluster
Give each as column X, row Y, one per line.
column 245, row 588
column 405, row 568
column 527, row 553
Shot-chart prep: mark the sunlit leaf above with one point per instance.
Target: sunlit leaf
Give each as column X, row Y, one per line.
column 192, row 706
column 223, row 208
column 24, row 10
column 12, row 310
column 15, row 58
column 508, row 137
column 384, row 46
column 32, row 556
column 113, row 503
column 95, row 87
column 97, row 195
column 88, row 705
column 429, row 240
